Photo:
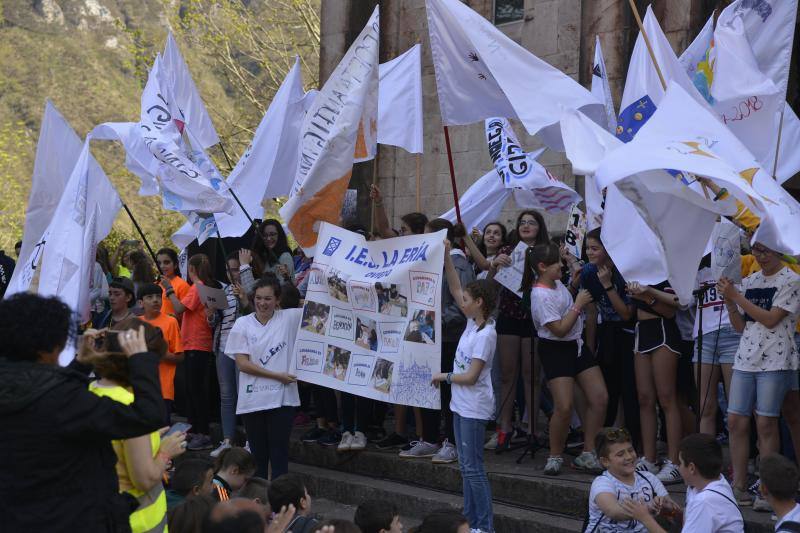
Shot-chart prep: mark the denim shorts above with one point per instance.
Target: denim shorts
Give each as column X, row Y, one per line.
column 762, row 390
column 719, row 347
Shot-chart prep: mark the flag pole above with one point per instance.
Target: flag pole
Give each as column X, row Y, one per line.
column 647, row 43
column 419, row 174
column 374, row 182
column 227, row 159
column 778, row 147
column 452, row 174
column 141, row 233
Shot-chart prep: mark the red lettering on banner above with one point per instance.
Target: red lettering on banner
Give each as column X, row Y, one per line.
column 743, row 110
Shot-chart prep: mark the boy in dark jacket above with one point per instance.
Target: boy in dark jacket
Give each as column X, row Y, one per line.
column 56, row 460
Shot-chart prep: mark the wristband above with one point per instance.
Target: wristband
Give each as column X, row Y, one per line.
column 611, row 288
column 449, row 378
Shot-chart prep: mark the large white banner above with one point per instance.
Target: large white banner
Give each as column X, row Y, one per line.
column 372, row 317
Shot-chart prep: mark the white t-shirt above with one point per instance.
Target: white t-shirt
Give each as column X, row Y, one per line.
column 269, row 346
column 715, row 314
column 709, row 512
column 763, row 349
column 645, row 487
column 550, row 305
column 475, row 401
column 791, row 516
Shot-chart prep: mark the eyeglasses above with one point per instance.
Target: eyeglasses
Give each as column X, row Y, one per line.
column 528, row 223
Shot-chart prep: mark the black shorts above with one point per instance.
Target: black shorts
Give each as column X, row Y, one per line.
column 519, row 327
column 560, row 358
column 654, row 333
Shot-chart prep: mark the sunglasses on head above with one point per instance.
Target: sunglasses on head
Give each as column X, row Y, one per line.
column 616, row 435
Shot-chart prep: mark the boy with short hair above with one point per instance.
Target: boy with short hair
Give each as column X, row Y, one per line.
column 289, row 489
column 256, row 489
column 121, row 298
column 778, row 485
column 376, row 516
column 150, row 302
column 191, row 477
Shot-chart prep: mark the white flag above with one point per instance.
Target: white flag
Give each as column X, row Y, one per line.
column 400, row 101
column 331, row 139
column 519, row 170
column 600, row 87
column 186, row 94
column 267, row 167
column 482, row 73
column 481, row 203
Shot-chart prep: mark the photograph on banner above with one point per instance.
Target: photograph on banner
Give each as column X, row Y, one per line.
column 371, row 319
column 576, row 231
column 510, row 277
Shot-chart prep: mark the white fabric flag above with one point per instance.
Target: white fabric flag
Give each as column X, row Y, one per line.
column 186, row 94
column 600, row 87
column 138, row 158
column 331, row 140
column 482, row 73
column 481, row 203
column 267, row 167
column 400, row 101
column 520, row 170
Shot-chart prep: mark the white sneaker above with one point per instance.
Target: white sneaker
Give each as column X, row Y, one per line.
column 224, row 445
column 669, row 473
column 553, row 466
column 420, row 449
column 359, row 442
column 643, row 465
column 491, row 444
column 446, row 454
column 587, row 462
column 346, row 443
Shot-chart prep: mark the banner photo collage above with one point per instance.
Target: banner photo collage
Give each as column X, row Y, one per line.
column 371, row 319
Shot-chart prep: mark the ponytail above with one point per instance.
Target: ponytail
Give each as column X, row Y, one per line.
column 541, row 253
column 238, row 457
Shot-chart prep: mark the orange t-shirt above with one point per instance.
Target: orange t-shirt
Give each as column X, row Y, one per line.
column 195, row 331
column 166, row 369
column 181, row 289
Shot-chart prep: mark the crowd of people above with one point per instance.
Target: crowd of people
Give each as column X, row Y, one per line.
column 615, row 366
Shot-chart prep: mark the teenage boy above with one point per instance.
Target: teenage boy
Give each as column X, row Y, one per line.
column 290, row 489
column 378, row 516
column 779, row 485
column 121, row 298
column 191, row 478
column 150, row 302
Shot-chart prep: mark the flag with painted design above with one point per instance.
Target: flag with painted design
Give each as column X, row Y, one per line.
column 520, row 170
column 332, row 137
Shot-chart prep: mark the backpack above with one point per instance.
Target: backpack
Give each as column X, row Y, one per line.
column 602, row 515
column 303, row 524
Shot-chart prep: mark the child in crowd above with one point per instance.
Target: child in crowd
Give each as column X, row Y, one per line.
column 779, row 487
column 191, row 515
column 619, row 483
column 565, row 358
column 192, row 477
column 234, row 466
column 168, row 266
column 290, row 490
column 443, row 521
column 256, row 489
column 765, row 368
column 472, row 401
column 378, row 516
column 121, row 299
column 150, row 302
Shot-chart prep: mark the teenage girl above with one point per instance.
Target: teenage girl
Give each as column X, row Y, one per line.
column 234, row 466
column 565, row 358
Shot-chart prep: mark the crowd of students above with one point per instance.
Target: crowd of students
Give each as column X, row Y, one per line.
column 586, row 348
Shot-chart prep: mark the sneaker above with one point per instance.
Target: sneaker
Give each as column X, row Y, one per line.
column 669, row 473
column 224, row 445
column 446, row 454
column 330, row 438
column 345, row 443
column 553, row 466
column 491, row 444
column 587, row 462
column 643, row 465
column 420, row 449
column 391, row 442
column 359, row 442
column 200, row 442
column 313, row 435
column 742, row 497
column 503, row 441
column 761, row 505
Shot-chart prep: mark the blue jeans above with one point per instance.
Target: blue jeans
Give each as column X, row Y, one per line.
column 228, row 377
column 477, row 491
column 763, row 390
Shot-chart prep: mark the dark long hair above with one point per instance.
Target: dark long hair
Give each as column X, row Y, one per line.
column 203, row 268
column 143, row 270
column 547, row 253
column 503, row 236
column 541, row 238
column 263, row 256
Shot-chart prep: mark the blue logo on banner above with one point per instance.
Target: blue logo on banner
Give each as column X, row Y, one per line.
column 332, row 246
column 633, row 117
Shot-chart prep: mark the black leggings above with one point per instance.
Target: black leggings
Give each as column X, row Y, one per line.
column 268, row 434
column 615, row 357
column 431, row 418
column 325, row 403
column 356, row 412
column 198, row 389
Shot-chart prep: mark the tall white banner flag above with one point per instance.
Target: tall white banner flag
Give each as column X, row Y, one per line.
column 371, row 321
column 482, row 73
column 400, row 101
column 332, row 137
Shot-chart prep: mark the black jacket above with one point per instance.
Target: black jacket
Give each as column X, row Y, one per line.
column 57, row 466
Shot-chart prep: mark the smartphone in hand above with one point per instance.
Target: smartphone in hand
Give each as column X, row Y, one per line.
column 178, row 427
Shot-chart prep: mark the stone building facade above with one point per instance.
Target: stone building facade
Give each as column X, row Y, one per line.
column 560, row 32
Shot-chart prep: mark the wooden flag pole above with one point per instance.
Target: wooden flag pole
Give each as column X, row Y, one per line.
column 419, row 177
column 777, row 148
column 647, row 43
column 374, row 182
column 452, row 174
